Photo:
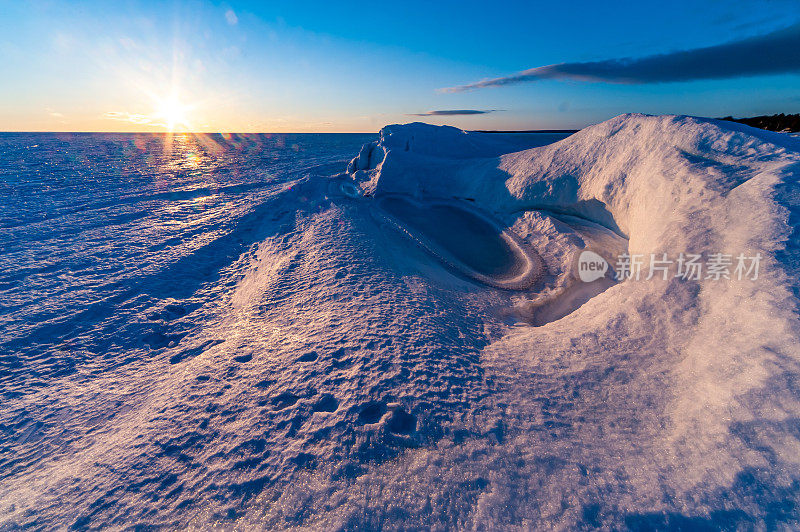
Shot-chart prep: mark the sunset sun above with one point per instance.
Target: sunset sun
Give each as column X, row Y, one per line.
column 173, row 114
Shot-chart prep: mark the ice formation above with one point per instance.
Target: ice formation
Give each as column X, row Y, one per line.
column 679, row 387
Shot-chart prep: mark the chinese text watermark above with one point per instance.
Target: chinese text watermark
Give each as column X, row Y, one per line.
column 688, row 266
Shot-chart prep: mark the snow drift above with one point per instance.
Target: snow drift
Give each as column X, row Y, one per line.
column 684, row 387
column 406, row 345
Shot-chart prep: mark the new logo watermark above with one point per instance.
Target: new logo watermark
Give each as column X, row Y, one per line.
column 591, row 266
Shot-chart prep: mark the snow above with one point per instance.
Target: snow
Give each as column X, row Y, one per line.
column 677, row 387
column 340, row 353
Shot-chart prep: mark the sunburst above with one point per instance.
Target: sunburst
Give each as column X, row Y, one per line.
column 173, row 113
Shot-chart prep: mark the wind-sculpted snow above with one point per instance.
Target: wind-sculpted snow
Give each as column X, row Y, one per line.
column 258, row 344
column 660, row 402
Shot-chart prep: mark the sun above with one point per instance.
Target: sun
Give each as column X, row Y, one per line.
column 174, row 114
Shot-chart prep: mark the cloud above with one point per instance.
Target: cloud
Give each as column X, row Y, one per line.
column 129, row 117
column 231, row 17
column 55, row 114
column 452, row 112
column 773, row 53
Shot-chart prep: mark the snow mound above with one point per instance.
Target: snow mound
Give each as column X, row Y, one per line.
column 692, row 376
column 423, row 139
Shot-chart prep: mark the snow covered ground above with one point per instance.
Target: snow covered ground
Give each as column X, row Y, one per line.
column 223, row 334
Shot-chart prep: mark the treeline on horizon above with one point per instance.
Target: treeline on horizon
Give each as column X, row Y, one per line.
column 780, row 122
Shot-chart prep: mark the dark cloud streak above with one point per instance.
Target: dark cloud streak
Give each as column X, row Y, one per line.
column 774, row 53
column 454, row 112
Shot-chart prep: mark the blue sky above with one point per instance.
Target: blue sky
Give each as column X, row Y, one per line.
column 346, row 66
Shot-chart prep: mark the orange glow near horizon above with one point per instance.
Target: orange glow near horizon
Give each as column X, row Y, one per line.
column 169, row 113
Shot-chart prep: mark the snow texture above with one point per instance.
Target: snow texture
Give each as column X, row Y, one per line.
column 294, row 350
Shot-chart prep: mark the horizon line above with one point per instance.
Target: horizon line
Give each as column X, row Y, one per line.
column 279, row 132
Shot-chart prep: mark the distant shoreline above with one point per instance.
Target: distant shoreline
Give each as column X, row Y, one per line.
column 781, row 123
